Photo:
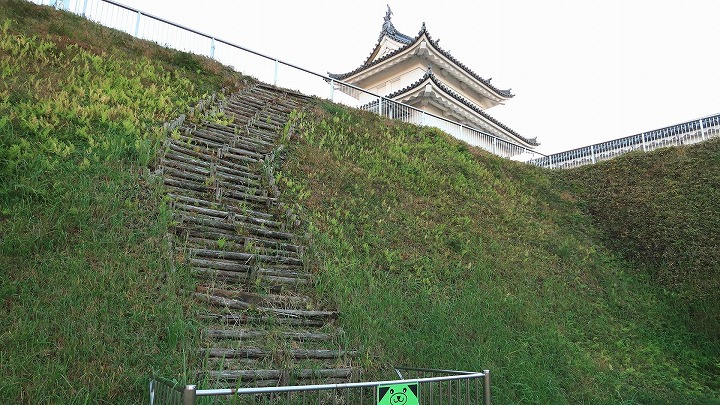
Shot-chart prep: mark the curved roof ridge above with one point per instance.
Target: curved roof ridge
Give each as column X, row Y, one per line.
column 429, row 75
column 423, row 31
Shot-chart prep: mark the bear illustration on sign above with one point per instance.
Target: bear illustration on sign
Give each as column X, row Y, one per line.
column 398, row 398
column 398, row 394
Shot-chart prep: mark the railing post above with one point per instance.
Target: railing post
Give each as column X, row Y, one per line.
column 137, row 24
column 422, row 118
column 212, row 48
column 486, row 388
column 644, row 143
column 592, row 152
column 380, row 105
column 494, row 146
column 332, row 89
column 276, row 72
column 152, row 391
column 702, row 129
column 84, row 7
column 189, row 395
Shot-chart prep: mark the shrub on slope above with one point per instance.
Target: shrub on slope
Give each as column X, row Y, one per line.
column 662, row 211
column 89, row 307
column 442, row 256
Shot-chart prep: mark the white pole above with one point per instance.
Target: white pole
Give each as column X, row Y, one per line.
column 137, row 24
column 276, row 73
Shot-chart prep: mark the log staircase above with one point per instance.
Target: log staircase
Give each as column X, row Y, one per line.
column 261, row 328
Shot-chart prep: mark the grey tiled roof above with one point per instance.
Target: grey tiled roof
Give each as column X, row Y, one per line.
column 431, row 77
column 410, row 42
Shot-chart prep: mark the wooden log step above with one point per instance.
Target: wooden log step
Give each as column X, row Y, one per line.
column 181, row 162
column 211, row 180
column 241, row 256
column 197, row 182
column 283, row 272
column 207, row 236
column 209, row 243
column 225, row 265
column 194, row 151
column 185, row 185
column 281, row 375
column 261, row 124
column 188, row 154
column 239, row 108
column 271, row 118
column 172, row 156
column 229, row 129
column 225, row 196
column 260, row 132
column 277, row 115
column 288, row 272
column 287, row 313
column 200, row 168
column 258, row 353
column 239, row 112
column 273, row 284
column 234, row 143
column 203, row 202
column 198, row 142
column 251, row 319
column 231, row 153
column 249, row 334
column 186, row 175
column 288, row 94
column 240, row 154
column 273, row 300
column 226, row 215
column 258, row 199
column 204, row 133
column 223, row 150
column 235, row 226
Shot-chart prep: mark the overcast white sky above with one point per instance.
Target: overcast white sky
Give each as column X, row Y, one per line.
column 583, row 71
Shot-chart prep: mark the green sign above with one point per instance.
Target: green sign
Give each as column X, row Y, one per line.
column 398, row 394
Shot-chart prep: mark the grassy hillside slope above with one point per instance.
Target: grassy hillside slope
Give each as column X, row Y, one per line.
column 442, row 256
column 662, row 211
column 88, row 305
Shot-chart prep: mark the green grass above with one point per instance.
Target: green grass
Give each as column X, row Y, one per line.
column 90, row 304
column 662, row 211
column 439, row 255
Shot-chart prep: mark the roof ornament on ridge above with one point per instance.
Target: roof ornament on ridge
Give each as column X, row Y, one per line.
column 388, row 27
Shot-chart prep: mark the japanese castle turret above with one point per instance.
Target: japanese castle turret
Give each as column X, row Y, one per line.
column 418, row 72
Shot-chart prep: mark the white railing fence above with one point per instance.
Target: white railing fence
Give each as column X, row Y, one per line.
column 272, row 70
column 431, row 387
column 685, row 133
column 280, row 73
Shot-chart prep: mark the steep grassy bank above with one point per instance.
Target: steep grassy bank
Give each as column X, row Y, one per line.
column 89, row 304
column 662, row 211
column 441, row 256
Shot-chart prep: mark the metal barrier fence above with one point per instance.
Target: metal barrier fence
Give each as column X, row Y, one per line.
column 442, row 387
column 272, row 70
column 685, row 133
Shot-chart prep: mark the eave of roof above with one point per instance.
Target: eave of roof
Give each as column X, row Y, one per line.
column 430, row 76
column 423, row 32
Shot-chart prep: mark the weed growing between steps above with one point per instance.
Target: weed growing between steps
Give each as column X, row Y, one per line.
column 90, row 305
column 442, row 256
